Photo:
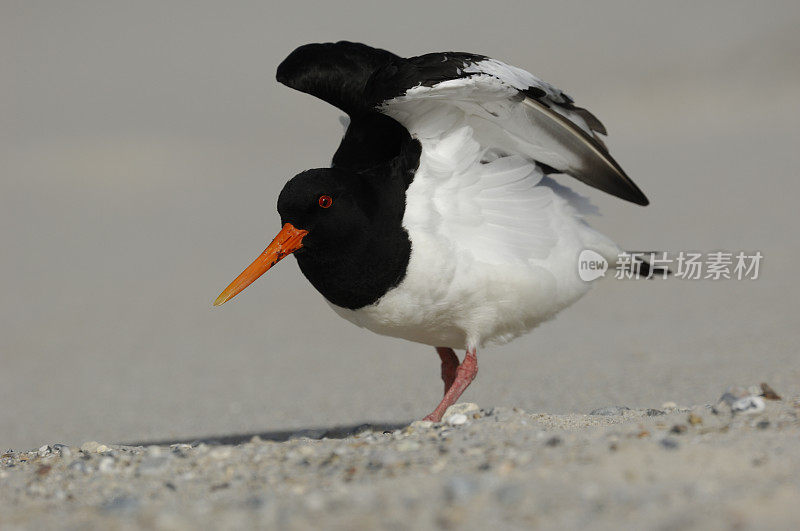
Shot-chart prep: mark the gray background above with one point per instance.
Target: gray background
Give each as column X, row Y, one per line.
column 143, row 145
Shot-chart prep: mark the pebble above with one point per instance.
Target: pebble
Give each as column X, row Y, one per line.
column 456, row 419
column 749, row 405
column 465, row 408
column 64, row 450
column 610, row 410
column 182, row 449
column 669, row 405
column 654, row 412
column 43, row 451
column 90, row 447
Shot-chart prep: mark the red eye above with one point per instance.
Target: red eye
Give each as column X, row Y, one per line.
column 325, row 201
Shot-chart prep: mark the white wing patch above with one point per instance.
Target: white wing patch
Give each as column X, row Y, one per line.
column 491, row 209
column 492, row 108
column 521, row 80
column 516, row 77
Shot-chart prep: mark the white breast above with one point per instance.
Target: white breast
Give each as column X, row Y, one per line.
column 494, row 244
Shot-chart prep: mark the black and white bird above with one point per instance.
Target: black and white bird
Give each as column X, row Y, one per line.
column 437, row 221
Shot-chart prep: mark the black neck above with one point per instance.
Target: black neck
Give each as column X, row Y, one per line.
column 360, row 275
column 382, row 157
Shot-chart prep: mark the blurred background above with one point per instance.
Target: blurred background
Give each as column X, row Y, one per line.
column 143, row 146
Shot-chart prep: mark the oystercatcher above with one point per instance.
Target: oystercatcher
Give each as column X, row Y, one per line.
column 437, row 221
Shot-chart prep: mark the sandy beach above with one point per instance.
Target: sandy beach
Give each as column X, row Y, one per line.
column 143, row 147
column 673, row 468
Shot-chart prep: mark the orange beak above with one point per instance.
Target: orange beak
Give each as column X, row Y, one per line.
column 288, row 240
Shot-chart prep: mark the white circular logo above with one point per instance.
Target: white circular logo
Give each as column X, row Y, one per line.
column 591, row 265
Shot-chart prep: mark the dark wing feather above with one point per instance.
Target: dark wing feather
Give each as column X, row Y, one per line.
column 597, row 167
column 334, row 72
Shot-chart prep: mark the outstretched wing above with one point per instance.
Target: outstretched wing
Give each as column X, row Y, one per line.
column 510, row 111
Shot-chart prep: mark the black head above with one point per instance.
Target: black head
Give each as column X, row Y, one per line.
column 332, row 205
column 355, row 248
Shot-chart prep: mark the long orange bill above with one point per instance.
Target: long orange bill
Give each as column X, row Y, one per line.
column 288, row 240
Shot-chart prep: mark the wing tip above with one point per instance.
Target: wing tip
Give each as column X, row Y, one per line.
column 621, row 187
column 599, row 169
column 626, row 189
column 639, row 199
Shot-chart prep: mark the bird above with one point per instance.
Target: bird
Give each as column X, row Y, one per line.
column 438, row 220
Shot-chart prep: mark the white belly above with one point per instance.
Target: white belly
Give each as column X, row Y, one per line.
column 465, row 303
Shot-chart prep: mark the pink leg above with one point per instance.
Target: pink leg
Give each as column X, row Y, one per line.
column 449, row 365
column 464, row 375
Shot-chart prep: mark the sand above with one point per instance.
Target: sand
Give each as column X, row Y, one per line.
column 697, row 468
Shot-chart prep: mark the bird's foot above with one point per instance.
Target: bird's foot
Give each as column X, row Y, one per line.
column 464, row 374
